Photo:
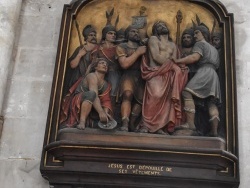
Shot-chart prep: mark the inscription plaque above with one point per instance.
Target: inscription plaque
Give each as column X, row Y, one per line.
column 139, row 169
column 112, row 124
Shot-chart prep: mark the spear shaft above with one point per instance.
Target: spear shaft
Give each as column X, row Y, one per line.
column 78, row 30
column 178, row 20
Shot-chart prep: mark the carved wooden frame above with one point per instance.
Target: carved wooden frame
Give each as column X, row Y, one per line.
column 97, row 158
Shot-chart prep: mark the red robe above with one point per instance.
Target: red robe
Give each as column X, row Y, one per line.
column 161, row 107
column 71, row 105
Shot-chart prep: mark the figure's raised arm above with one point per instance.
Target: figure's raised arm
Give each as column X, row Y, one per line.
column 188, row 59
column 75, row 61
column 127, row 61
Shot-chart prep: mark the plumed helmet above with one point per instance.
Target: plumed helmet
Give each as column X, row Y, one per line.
column 107, row 29
column 204, row 30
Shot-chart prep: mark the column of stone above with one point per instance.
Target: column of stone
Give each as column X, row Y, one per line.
column 10, row 11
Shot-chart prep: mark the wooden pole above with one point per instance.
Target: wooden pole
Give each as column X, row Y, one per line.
column 178, row 20
column 78, row 30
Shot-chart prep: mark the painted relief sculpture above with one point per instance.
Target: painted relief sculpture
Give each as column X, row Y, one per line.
column 205, row 83
column 143, row 96
column 162, row 109
column 79, row 62
column 90, row 92
column 107, row 49
column 132, row 86
column 187, row 43
column 136, row 63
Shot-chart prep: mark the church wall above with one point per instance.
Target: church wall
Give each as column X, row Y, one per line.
column 27, row 92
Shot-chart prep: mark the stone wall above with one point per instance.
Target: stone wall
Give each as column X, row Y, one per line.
column 27, row 93
column 241, row 10
column 30, row 66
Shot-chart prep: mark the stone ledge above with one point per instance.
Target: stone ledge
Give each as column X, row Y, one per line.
column 104, row 158
column 139, row 140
